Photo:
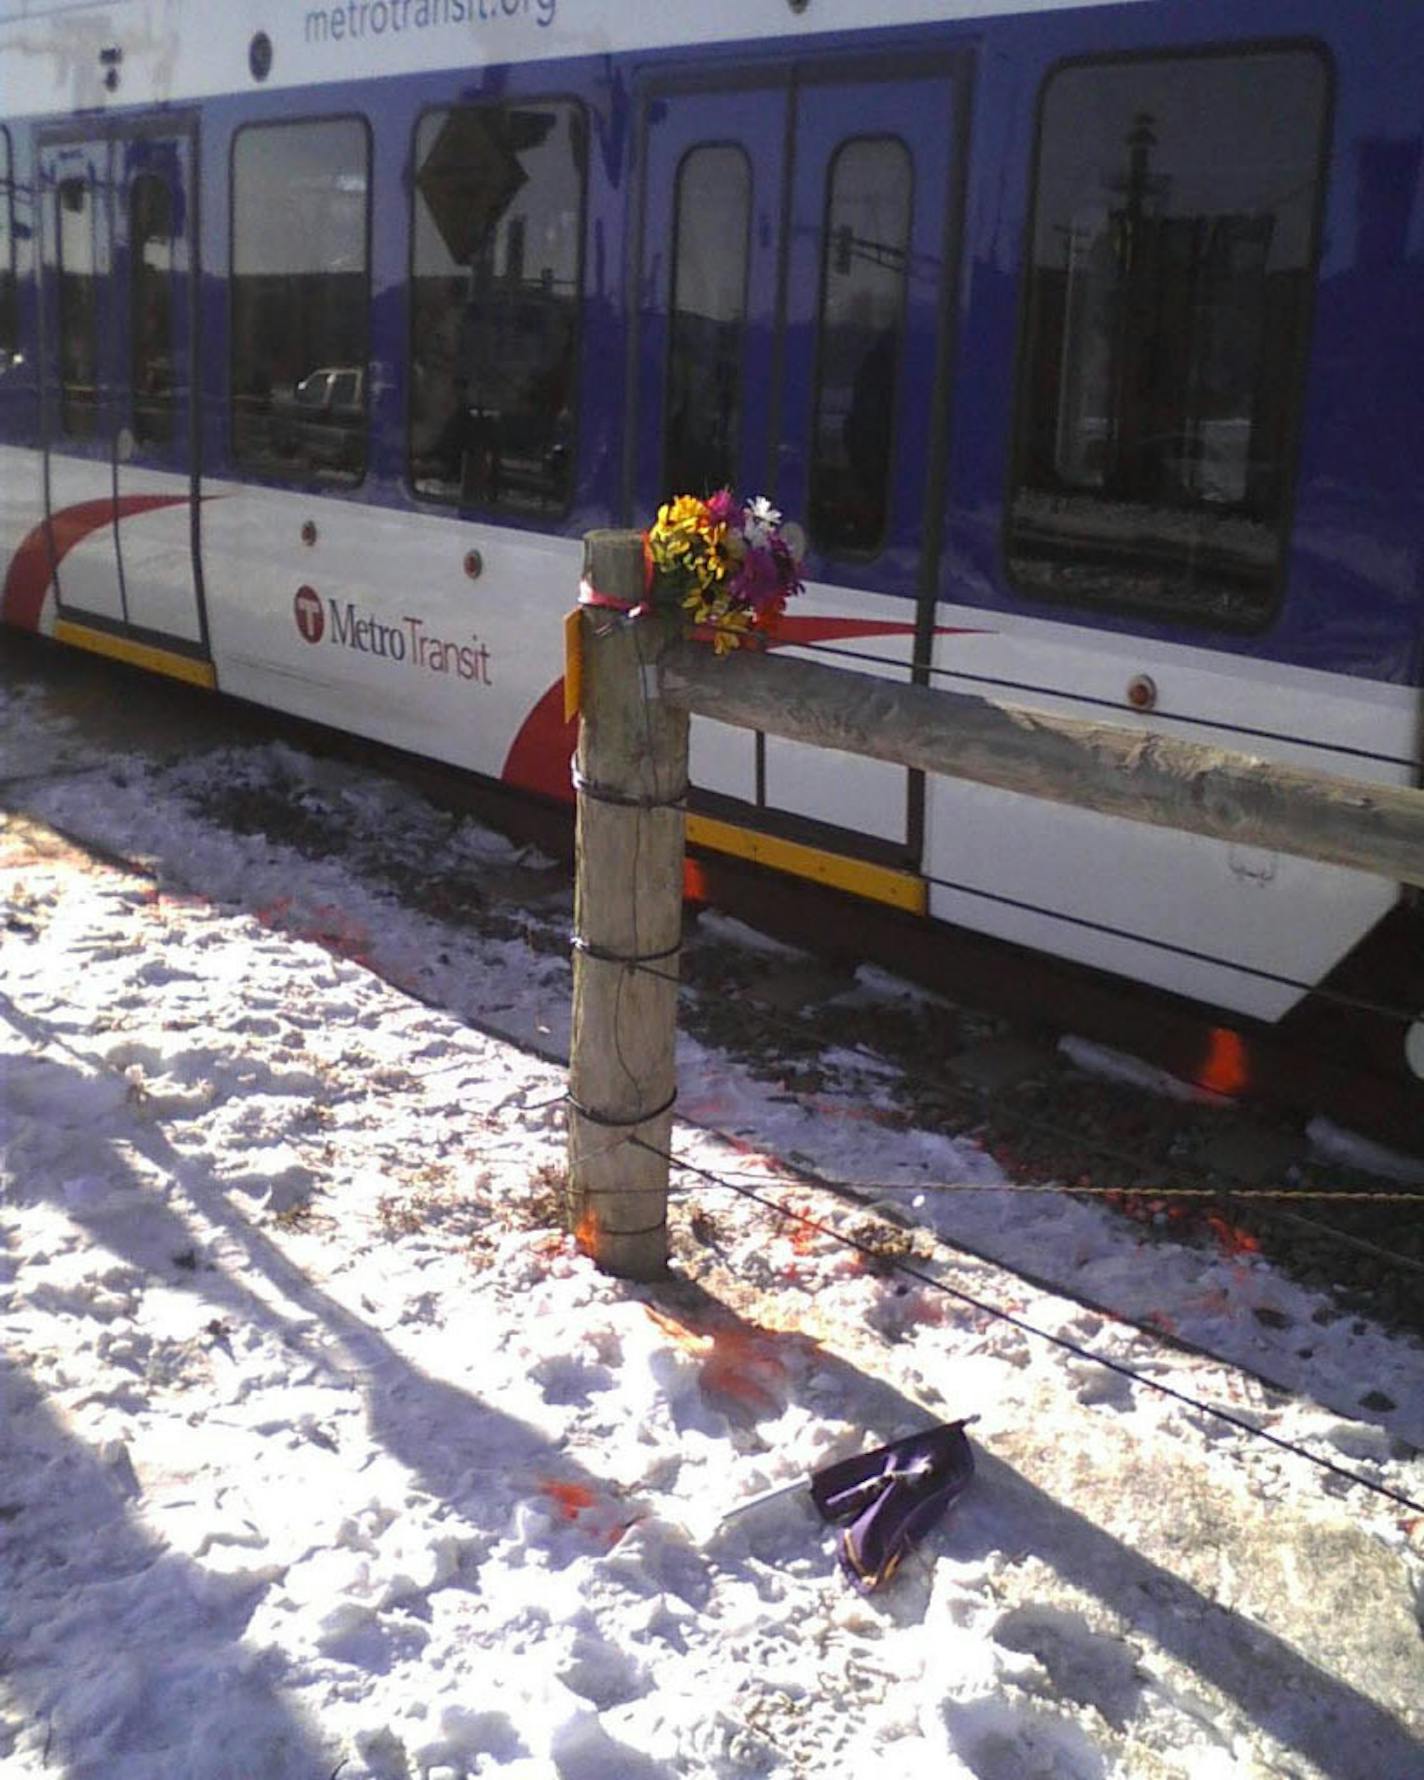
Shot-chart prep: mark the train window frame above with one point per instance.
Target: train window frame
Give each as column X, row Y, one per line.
column 1177, row 613
column 834, row 552
column 9, row 255
column 66, row 409
column 712, row 144
column 307, row 476
column 504, row 512
column 153, row 412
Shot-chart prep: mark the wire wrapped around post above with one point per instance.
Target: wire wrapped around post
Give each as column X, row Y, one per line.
column 630, row 776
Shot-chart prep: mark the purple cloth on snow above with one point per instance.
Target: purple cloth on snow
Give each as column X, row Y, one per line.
column 887, row 1500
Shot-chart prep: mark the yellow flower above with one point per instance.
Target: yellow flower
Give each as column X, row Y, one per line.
column 686, row 510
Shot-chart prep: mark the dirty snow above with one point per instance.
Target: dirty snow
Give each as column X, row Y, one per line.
column 322, row 1450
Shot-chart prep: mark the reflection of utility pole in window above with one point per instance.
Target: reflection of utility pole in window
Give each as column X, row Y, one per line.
column 514, row 250
column 1082, row 443
column 1135, row 227
column 1111, row 329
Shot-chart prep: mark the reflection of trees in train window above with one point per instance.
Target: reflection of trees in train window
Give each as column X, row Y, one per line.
column 707, row 320
column 9, row 294
column 300, row 297
column 151, row 307
column 864, row 279
column 497, row 255
column 1169, row 290
column 76, row 224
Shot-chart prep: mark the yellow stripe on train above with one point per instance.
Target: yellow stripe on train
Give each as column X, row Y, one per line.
column 142, row 655
column 876, row 883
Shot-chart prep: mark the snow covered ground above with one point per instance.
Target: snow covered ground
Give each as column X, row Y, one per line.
column 323, row 1451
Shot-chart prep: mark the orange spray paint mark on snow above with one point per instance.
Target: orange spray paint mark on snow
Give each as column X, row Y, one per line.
column 572, row 1498
column 734, row 1362
column 742, row 1367
column 330, row 928
column 1230, row 1238
column 803, row 1238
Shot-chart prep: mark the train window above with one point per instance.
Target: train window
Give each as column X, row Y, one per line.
column 76, row 234
column 9, row 294
column 707, row 323
column 864, row 267
column 1167, row 305
column 301, row 298
column 496, row 243
column 151, row 307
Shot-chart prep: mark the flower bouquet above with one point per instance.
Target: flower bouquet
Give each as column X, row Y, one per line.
column 731, row 565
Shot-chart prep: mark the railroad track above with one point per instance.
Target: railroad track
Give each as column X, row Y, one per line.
column 1241, row 1177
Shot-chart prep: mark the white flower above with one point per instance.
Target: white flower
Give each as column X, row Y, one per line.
column 761, row 521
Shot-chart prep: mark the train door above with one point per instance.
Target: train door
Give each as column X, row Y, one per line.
column 712, row 212
column 119, row 293
column 77, row 260
column 795, row 270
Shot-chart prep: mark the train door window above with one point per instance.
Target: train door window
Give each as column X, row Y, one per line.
column 497, row 240
column 864, row 265
column 9, row 294
column 707, row 319
column 77, row 224
column 151, row 307
column 1168, row 298
column 301, row 298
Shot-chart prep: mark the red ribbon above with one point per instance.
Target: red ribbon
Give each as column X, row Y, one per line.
column 590, row 596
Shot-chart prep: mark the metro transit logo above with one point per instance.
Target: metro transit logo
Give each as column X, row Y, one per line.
column 344, row 625
column 311, row 620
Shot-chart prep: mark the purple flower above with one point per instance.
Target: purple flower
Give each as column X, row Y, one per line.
column 759, row 581
column 721, row 507
column 788, row 565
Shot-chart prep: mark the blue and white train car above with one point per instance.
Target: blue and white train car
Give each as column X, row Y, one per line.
column 1085, row 340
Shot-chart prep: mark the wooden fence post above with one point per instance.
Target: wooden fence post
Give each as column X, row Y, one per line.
column 631, row 781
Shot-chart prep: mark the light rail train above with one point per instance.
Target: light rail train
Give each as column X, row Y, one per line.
column 1085, row 341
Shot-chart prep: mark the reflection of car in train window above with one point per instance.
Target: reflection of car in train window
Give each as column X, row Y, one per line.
column 324, row 420
column 330, row 390
column 300, row 296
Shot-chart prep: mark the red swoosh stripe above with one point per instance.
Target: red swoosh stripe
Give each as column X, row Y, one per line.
column 790, row 630
column 31, row 568
column 538, row 759
column 539, row 756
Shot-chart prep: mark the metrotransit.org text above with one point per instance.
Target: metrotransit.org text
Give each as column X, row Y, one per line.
column 362, row 19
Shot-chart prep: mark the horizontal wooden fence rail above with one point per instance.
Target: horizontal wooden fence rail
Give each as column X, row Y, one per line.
column 640, row 678
column 1116, row 770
